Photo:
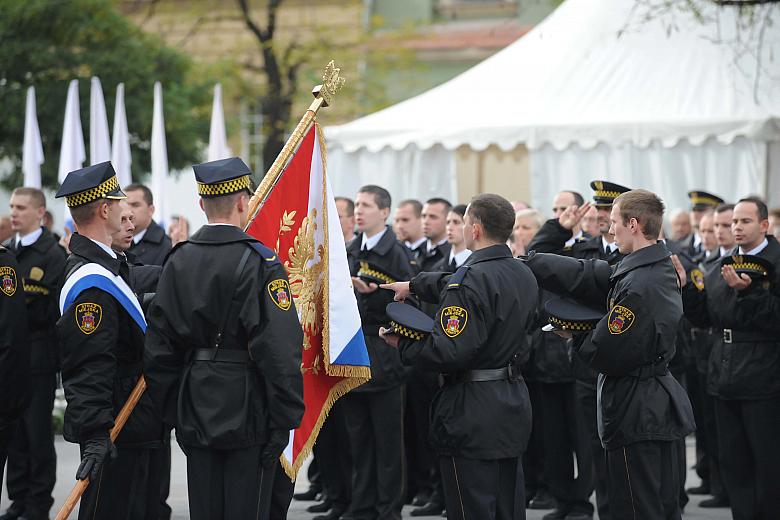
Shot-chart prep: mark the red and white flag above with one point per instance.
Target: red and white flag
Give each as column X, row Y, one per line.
column 299, row 220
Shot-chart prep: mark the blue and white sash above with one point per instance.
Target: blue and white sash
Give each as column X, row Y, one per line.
column 93, row 275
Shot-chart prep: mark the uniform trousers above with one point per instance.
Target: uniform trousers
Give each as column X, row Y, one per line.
column 165, row 479
column 749, row 446
column 228, row 484
column 709, row 428
column 128, row 487
column 7, row 430
column 533, row 458
column 422, row 463
column 483, row 489
column 564, row 437
column 332, row 450
column 375, row 427
column 32, row 460
column 586, row 398
column 281, row 495
column 644, row 481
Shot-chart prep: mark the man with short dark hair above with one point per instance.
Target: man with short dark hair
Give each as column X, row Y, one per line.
column 346, row 208
column 407, row 224
column 481, row 417
column 32, row 460
column 434, row 227
column 101, row 333
column 374, row 410
column 643, row 411
column 744, row 364
column 150, row 243
column 223, row 354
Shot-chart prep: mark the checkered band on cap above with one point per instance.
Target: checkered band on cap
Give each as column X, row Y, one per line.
column 407, row 332
column 572, row 325
column 224, row 188
column 98, row 192
column 750, row 266
column 607, row 194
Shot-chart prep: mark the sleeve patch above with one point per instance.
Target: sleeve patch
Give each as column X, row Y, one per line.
column 620, row 319
column 8, row 280
column 454, row 320
column 279, row 291
column 88, row 316
column 697, row 277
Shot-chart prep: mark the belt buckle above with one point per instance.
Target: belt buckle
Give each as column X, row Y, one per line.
column 726, row 335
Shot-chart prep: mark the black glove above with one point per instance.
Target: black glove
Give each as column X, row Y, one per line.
column 93, row 454
column 277, row 442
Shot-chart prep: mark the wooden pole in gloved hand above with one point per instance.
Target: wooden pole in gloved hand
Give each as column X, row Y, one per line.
column 119, row 423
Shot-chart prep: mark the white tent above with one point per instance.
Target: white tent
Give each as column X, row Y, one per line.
column 592, row 92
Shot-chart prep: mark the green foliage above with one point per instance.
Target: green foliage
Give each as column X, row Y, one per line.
column 47, row 43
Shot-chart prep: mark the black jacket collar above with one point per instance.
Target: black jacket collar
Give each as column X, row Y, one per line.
column 220, row 235
column 154, row 233
column 42, row 244
column 382, row 247
column 489, row 253
column 645, row 256
column 91, row 252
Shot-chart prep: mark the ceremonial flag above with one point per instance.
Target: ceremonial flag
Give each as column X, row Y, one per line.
column 159, row 159
column 72, row 153
column 32, row 149
column 218, row 147
column 121, row 158
column 99, row 141
column 299, row 220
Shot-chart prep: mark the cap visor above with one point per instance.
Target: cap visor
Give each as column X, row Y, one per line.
column 116, row 194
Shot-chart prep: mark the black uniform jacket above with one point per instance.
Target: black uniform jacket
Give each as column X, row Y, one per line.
column 14, row 351
column 41, row 273
column 428, row 260
column 153, row 247
column 638, row 399
column 485, row 312
column 745, row 368
column 551, row 238
column 102, row 358
column 219, row 404
column 390, row 257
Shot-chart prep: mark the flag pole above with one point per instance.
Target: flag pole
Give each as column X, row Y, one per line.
column 119, row 423
column 323, row 95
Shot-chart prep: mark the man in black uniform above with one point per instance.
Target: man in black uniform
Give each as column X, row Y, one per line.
column 223, row 353
column 744, row 365
column 701, row 203
column 481, row 417
column 374, row 410
column 434, row 225
column 552, row 238
column 32, row 461
column 643, row 411
column 14, row 353
column 101, row 334
column 150, row 243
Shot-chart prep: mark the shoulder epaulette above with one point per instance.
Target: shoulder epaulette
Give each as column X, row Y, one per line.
column 457, row 277
column 267, row 253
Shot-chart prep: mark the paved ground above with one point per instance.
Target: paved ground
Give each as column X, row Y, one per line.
column 67, row 455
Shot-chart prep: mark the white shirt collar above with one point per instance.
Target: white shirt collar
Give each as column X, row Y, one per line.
column 416, row 244
column 105, row 248
column 30, row 238
column 755, row 250
column 460, row 258
column 573, row 239
column 431, row 246
column 608, row 245
column 369, row 242
column 139, row 236
column 696, row 239
column 726, row 252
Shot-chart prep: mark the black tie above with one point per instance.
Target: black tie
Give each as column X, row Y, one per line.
column 453, row 265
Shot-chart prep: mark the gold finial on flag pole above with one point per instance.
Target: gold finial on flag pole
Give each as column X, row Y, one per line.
column 332, row 82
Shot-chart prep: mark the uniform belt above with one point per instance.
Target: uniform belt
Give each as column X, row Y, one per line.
column 478, row 376
column 647, row 371
column 222, row 355
column 744, row 336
